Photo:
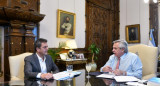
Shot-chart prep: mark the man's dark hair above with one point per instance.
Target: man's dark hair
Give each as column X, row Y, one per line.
column 67, row 17
column 38, row 43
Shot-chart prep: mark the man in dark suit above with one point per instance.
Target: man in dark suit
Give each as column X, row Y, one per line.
column 40, row 64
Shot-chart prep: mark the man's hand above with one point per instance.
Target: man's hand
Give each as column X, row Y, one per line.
column 47, row 76
column 119, row 72
column 107, row 69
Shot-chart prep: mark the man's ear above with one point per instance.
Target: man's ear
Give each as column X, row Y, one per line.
column 37, row 49
column 122, row 49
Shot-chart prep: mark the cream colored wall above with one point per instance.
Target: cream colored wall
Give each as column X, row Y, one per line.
column 135, row 12
column 131, row 12
column 48, row 26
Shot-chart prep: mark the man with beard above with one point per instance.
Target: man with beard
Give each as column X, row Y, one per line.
column 66, row 26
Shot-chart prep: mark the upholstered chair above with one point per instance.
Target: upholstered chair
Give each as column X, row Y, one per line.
column 16, row 64
column 149, row 58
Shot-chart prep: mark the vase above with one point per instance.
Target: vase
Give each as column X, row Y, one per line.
column 93, row 66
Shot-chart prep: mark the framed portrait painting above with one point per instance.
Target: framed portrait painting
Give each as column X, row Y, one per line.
column 66, row 24
column 133, row 33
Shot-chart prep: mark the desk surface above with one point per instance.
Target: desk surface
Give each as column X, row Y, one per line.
column 80, row 80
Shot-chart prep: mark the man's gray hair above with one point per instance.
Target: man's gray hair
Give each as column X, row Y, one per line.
column 122, row 45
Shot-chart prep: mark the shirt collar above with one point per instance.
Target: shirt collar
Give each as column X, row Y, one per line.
column 123, row 56
column 40, row 59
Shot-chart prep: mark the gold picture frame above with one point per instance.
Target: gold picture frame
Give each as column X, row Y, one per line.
column 133, row 33
column 66, row 22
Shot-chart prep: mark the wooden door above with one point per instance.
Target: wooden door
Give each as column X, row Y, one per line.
column 102, row 18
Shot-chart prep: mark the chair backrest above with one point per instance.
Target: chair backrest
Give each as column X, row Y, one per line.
column 17, row 66
column 149, row 58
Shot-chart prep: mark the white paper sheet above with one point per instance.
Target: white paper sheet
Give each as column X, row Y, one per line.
column 65, row 75
column 111, row 76
column 125, row 78
column 135, row 84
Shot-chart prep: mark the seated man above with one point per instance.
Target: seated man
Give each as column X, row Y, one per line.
column 39, row 64
column 123, row 62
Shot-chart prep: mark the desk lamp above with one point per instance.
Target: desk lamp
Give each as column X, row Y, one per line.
column 71, row 44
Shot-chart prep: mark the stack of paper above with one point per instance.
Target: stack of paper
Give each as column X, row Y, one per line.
column 110, row 76
column 119, row 78
column 125, row 78
column 65, row 75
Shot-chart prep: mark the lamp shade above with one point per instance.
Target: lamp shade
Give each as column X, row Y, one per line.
column 155, row 1
column 146, row 1
column 71, row 44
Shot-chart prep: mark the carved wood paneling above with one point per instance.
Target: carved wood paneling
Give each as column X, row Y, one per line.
column 16, row 45
column 19, row 18
column 29, row 44
column 33, row 5
column 3, row 2
column 28, row 5
column 153, row 11
column 102, row 26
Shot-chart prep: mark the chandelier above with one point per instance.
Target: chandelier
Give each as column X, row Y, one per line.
column 146, row 1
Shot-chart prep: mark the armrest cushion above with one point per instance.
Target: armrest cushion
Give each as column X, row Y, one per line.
column 146, row 77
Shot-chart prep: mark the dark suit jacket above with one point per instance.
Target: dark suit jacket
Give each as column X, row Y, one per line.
column 32, row 66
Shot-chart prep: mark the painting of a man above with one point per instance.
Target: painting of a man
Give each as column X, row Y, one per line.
column 132, row 34
column 66, row 26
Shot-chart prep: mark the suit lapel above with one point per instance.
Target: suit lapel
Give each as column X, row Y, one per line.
column 37, row 62
column 47, row 64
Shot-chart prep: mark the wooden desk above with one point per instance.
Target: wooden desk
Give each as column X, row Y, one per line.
column 80, row 80
column 77, row 64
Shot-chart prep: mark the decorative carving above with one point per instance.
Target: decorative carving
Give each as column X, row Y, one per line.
column 15, row 46
column 19, row 18
column 29, row 37
column 24, row 2
column 154, row 20
column 102, row 26
column 16, row 28
column 16, row 14
column 29, row 44
column 29, row 29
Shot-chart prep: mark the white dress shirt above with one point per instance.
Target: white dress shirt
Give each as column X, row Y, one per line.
column 42, row 65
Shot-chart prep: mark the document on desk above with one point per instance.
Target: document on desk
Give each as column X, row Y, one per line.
column 110, row 76
column 65, row 75
column 125, row 78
